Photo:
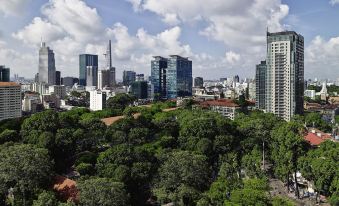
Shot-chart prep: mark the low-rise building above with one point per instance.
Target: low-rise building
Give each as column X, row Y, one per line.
column 225, row 107
column 97, row 100
column 31, row 103
column 10, row 100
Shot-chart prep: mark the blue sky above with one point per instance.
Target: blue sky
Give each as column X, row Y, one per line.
column 223, row 38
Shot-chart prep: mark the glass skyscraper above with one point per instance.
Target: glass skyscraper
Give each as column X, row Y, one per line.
column 4, row 74
column 285, row 74
column 128, row 77
column 46, row 65
column 178, row 77
column 260, row 81
column 158, row 76
column 87, row 61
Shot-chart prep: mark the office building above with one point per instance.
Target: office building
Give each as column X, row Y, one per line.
column 198, row 82
column 10, row 100
column 69, row 81
column 97, row 100
column 285, row 74
column 4, row 74
column 260, row 85
column 236, row 79
column 46, row 65
column 92, row 76
column 150, row 90
column 58, row 90
column 103, row 79
column 178, row 77
column 140, row 77
column 139, row 89
column 57, row 78
column 128, row 77
column 158, row 76
column 88, row 62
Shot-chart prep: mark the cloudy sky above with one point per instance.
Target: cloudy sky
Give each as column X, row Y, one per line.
column 222, row 37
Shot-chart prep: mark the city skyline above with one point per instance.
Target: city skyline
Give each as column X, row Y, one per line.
column 217, row 46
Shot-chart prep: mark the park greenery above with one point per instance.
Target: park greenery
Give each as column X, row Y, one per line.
column 186, row 157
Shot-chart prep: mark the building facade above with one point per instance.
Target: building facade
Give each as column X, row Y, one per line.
column 10, row 100
column 97, row 100
column 57, row 78
column 140, row 77
column 87, row 62
column 260, row 85
column 158, row 76
column 4, row 74
column 46, row 65
column 198, row 82
column 58, row 90
column 178, row 77
column 139, row 89
column 285, row 74
column 128, row 77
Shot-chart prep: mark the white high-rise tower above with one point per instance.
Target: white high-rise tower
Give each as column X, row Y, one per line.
column 285, row 74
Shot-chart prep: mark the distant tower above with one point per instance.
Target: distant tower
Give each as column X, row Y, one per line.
column 46, row 65
column 108, row 57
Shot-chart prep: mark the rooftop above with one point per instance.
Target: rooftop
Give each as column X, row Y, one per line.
column 315, row 137
column 220, row 102
column 9, row 84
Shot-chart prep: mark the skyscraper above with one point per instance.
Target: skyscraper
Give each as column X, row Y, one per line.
column 103, row 79
column 108, row 58
column 57, row 78
column 46, row 65
column 4, row 74
column 158, row 75
column 178, row 77
column 260, row 81
column 87, row 61
column 139, row 89
column 128, row 77
column 92, row 76
column 285, row 74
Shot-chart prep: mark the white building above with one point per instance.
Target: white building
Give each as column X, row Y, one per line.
column 10, row 100
column 40, row 88
column 31, row 102
column 57, row 90
column 97, row 100
column 285, row 74
column 225, row 107
column 310, row 94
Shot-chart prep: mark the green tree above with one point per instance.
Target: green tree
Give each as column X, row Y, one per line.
column 182, row 170
column 9, row 135
column 287, row 146
column 104, row 192
column 46, row 198
column 25, row 168
column 120, row 101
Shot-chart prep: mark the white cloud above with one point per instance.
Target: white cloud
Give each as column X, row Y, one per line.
column 322, row 55
column 13, row 7
column 75, row 17
column 232, row 57
column 136, row 4
column 334, row 2
column 39, row 28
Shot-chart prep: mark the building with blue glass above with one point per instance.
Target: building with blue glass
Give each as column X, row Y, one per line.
column 158, row 76
column 4, row 74
column 128, row 77
column 178, row 77
column 87, row 61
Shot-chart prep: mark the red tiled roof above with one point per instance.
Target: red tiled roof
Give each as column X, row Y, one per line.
column 66, row 189
column 313, row 139
column 220, row 102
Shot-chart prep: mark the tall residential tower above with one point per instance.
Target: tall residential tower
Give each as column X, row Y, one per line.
column 260, row 85
column 285, row 74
